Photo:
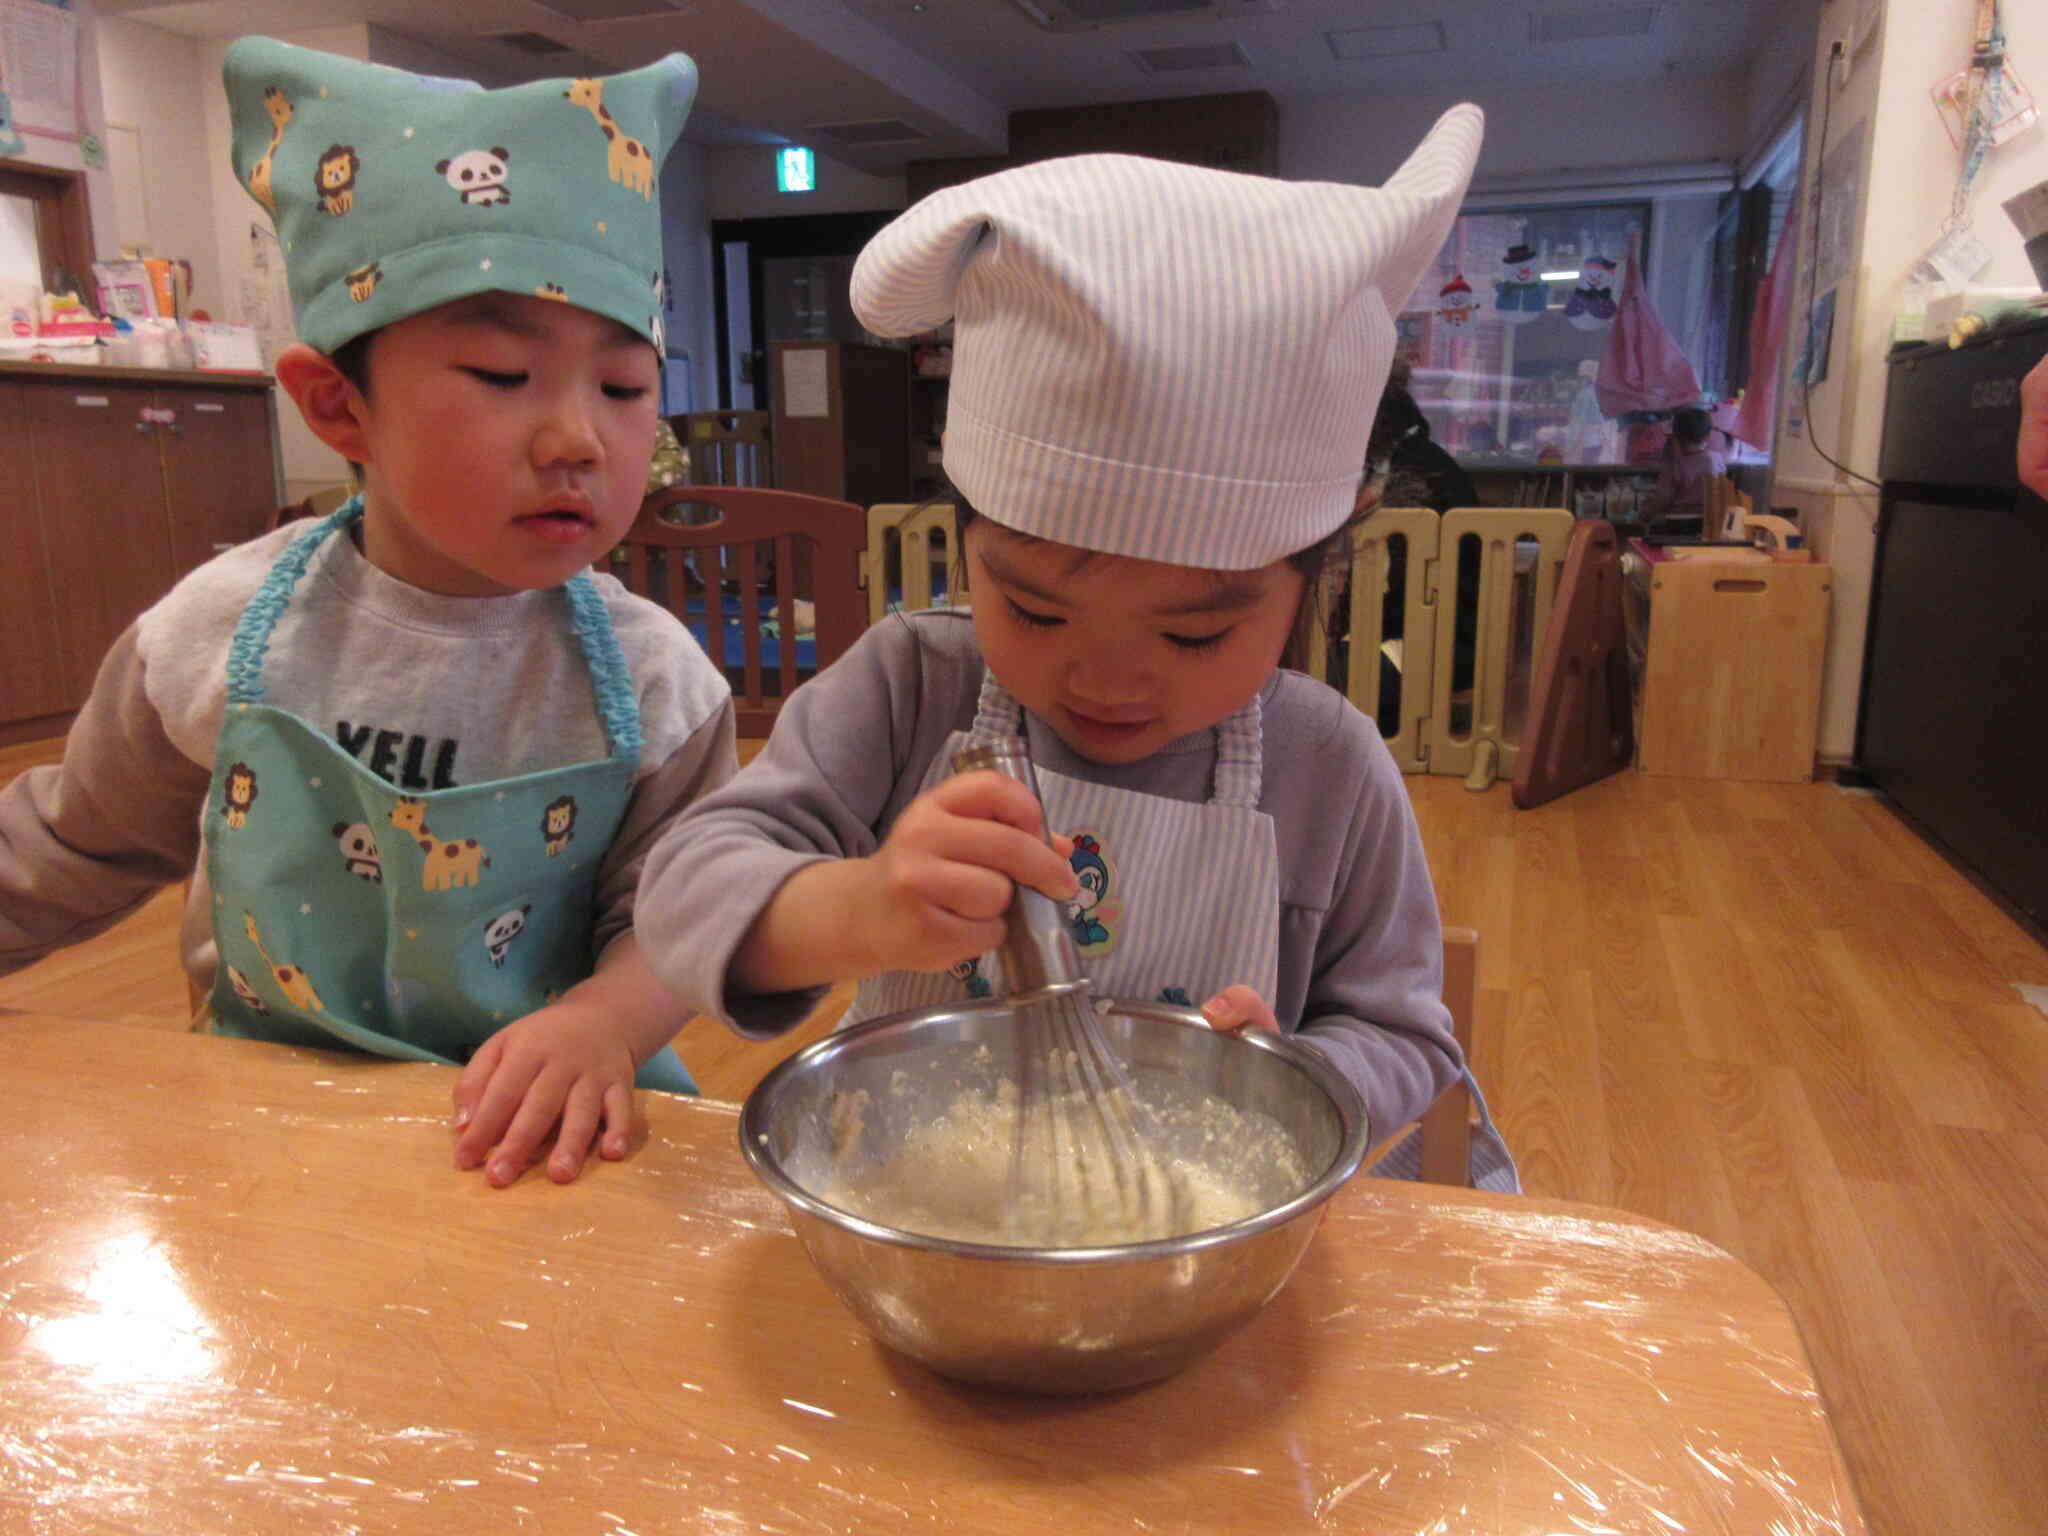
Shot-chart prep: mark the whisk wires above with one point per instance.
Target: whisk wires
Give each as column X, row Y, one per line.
column 1088, row 1165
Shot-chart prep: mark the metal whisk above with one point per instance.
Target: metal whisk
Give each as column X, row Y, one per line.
column 1086, row 1165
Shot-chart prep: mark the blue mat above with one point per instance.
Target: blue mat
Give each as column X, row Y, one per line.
column 735, row 648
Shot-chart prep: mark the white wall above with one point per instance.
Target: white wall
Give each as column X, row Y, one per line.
column 1908, row 176
column 686, row 254
column 143, row 74
column 309, row 464
column 1776, row 89
column 63, row 155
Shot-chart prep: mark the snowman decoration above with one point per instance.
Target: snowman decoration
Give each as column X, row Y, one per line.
column 1517, row 294
column 1591, row 306
column 1454, row 301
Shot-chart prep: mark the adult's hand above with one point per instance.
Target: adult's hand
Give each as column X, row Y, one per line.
column 2033, row 453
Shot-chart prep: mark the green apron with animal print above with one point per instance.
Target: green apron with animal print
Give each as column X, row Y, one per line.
column 414, row 926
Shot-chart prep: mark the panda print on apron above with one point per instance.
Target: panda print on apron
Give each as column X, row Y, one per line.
column 411, row 926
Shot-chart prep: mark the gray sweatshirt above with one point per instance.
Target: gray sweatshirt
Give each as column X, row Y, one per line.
column 1360, row 946
column 425, row 690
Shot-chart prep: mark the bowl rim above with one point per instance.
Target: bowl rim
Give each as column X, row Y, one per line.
column 1352, row 1143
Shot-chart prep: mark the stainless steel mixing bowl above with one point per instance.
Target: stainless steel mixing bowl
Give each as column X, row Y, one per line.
column 1058, row 1320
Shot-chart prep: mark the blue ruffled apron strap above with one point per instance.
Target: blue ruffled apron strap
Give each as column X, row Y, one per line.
column 618, row 701
column 1240, row 760
column 266, row 607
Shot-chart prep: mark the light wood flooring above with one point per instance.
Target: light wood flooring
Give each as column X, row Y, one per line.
column 1768, row 1014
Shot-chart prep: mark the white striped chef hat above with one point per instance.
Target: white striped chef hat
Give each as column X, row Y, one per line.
column 1162, row 360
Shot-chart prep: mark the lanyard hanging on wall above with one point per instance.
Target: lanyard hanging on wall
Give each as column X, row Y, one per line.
column 1986, row 75
column 1981, row 106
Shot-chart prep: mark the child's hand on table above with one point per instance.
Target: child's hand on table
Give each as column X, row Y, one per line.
column 564, row 1064
column 565, row 1070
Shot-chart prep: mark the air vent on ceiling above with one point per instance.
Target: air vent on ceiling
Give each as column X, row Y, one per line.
column 612, row 10
column 885, row 130
column 1084, row 15
column 1396, row 42
column 1590, row 26
column 531, row 42
column 1168, row 61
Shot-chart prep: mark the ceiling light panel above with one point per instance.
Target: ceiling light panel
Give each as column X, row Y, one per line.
column 536, row 43
column 610, row 10
column 1085, row 15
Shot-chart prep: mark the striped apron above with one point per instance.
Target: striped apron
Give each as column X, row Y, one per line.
column 1179, row 899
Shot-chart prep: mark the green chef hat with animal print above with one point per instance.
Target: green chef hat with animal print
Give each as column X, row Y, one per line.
column 394, row 192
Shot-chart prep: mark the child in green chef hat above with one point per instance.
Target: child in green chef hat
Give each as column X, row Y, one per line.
column 1163, row 381
column 416, row 751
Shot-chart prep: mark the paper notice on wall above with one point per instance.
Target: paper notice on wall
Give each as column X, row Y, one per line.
column 265, row 306
column 259, row 296
column 1838, row 194
column 39, row 67
column 804, row 389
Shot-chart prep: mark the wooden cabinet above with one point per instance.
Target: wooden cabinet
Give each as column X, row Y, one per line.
column 842, row 420
column 31, row 679
column 119, row 482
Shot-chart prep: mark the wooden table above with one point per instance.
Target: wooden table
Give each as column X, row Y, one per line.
column 242, row 1287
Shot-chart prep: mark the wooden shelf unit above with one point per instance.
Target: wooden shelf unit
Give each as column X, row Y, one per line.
column 842, row 419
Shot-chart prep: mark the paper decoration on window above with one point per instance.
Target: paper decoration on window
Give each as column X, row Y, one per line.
column 1517, row 293
column 1591, row 306
column 1454, row 301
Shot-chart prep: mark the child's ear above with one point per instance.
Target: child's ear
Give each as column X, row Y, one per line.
column 333, row 407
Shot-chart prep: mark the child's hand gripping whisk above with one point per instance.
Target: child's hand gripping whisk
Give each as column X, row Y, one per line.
column 1088, row 1165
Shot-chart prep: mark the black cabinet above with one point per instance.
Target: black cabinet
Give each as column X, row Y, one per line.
column 1951, row 725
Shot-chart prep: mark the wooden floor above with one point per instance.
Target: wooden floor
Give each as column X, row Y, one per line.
column 1768, row 1014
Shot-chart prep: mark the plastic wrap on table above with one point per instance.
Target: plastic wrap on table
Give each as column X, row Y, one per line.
column 243, row 1289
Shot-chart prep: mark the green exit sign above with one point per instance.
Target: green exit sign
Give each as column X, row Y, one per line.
column 796, row 170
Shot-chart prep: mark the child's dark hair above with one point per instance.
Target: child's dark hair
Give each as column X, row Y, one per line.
column 1314, row 563
column 1692, row 425
column 352, row 360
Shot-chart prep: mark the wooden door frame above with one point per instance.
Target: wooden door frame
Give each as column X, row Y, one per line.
column 817, row 234
column 63, row 219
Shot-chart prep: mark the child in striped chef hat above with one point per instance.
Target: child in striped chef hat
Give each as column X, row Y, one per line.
column 1163, row 381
